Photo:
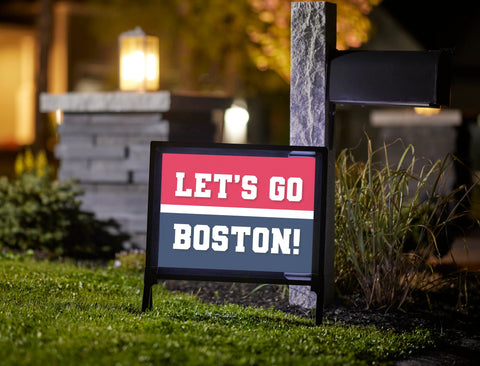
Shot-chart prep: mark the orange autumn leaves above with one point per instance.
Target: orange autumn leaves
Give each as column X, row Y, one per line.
column 270, row 32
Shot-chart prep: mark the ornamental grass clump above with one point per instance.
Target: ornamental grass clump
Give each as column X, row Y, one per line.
column 390, row 219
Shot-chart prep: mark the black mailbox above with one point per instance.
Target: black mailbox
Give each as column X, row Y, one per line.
column 408, row 78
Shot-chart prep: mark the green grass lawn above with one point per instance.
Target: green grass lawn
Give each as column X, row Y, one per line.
column 60, row 313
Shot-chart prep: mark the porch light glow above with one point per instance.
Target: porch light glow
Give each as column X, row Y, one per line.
column 236, row 121
column 426, row 111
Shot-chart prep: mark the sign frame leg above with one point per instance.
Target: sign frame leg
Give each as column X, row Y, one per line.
column 147, row 301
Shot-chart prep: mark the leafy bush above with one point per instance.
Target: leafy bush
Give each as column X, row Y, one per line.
column 41, row 214
column 389, row 219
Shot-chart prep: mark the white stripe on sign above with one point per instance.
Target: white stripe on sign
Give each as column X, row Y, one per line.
column 236, row 211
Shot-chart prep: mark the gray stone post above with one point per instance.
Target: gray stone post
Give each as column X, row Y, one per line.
column 313, row 38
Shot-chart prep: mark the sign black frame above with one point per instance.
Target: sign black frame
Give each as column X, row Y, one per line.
column 153, row 272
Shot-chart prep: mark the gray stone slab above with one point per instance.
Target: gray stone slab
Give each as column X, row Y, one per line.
column 106, row 102
column 114, row 165
column 63, row 151
column 140, row 153
column 141, row 189
column 125, row 118
column 134, row 129
column 90, row 176
column 77, row 140
column 109, row 167
column 107, row 177
column 73, row 165
column 140, row 176
column 69, row 118
column 65, row 174
column 159, row 130
column 130, row 139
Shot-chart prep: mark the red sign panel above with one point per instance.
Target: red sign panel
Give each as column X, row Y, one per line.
column 239, row 181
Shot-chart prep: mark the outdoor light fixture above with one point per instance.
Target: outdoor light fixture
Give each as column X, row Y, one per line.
column 236, row 119
column 427, row 111
column 139, row 61
column 59, row 116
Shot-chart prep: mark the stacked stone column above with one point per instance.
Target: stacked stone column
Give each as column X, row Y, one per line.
column 104, row 143
column 109, row 154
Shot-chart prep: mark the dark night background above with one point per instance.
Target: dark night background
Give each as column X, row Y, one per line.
column 447, row 25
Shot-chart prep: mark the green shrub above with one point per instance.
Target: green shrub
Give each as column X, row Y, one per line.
column 41, row 214
column 389, row 219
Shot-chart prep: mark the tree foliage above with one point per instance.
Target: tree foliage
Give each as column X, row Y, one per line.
column 270, row 33
column 231, row 46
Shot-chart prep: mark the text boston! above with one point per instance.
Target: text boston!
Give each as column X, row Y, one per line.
column 219, row 238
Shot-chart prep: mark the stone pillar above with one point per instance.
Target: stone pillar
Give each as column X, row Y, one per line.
column 313, row 35
column 104, row 143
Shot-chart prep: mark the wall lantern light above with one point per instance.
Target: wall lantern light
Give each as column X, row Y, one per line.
column 139, row 61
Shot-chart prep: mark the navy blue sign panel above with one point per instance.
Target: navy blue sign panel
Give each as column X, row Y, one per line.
column 235, row 243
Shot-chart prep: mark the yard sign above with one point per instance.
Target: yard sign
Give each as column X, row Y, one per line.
column 235, row 213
